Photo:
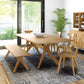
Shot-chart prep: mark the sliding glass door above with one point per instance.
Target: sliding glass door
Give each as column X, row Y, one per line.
column 8, row 22
column 31, row 16
column 19, row 15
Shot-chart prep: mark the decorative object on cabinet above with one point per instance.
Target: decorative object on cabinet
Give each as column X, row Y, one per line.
column 78, row 20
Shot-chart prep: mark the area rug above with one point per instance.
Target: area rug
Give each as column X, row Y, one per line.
column 47, row 74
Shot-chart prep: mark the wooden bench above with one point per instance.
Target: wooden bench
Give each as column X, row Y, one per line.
column 18, row 53
column 4, row 78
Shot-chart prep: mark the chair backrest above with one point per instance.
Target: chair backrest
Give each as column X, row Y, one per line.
column 70, row 38
column 28, row 31
column 74, row 41
column 58, row 33
column 76, row 45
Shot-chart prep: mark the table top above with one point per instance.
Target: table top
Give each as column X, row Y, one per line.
column 46, row 39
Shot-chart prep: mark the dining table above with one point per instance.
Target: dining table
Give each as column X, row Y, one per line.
column 44, row 41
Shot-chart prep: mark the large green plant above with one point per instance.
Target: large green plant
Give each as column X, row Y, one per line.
column 61, row 20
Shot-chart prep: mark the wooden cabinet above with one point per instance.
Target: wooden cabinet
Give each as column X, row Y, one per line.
column 78, row 20
column 80, row 34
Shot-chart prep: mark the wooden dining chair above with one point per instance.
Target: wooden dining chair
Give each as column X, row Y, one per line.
column 27, row 32
column 69, row 54
column 54, row 45
column 68, row 45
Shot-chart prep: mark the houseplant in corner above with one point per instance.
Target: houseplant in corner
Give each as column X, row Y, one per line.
column 61, row 20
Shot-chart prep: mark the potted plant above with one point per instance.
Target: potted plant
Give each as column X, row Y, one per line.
column 61, row 20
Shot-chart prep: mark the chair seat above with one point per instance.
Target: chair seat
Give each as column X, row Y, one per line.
column 67, row 54
column 63, row 46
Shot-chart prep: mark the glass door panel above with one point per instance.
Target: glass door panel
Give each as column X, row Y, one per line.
column 8, row 22
column 31, row 16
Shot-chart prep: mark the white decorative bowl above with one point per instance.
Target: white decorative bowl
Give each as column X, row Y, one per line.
column 38, row 34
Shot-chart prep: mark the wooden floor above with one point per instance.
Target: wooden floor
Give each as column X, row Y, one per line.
column 77, row 82
column 4, row 79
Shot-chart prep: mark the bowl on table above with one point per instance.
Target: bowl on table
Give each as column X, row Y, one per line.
column 39, row 34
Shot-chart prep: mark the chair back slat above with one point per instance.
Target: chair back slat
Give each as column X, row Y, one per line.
column 74, row 41
column 28, row 31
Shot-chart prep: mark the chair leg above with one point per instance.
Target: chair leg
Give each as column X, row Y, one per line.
column 51, row 47
column 76, row 63
column 72, row 66
column 54, row 48
column 59, row 65
column 63, row 61
column 57, row 51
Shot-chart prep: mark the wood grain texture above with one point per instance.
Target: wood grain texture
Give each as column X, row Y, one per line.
column 4, row 78
column 77, row 82
column 69, row 54
column 17, row 51
column 80, row 34
column 46, row 39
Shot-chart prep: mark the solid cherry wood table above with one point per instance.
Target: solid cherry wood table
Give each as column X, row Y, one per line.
column 44, row 41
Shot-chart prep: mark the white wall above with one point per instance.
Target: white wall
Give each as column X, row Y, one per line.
column 51, row 5
column 72, row 6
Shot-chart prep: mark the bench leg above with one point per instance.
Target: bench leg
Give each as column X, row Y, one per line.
column 23, row 62
column 16, row 65
column 7, row 55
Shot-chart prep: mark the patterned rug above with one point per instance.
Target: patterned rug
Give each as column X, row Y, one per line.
column 47, row 74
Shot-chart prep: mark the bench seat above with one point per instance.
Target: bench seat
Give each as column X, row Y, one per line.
column 18, row 53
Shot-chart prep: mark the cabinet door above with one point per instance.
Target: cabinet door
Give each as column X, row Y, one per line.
column 79, row 34
column 82, row 40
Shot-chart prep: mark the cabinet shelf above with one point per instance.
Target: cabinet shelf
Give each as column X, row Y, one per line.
column 78, row 20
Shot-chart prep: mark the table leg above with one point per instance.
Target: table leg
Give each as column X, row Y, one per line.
column 41, row 59
column 33, row 45
column 46, row 49
column 50, row 54
column 26, row 45
column 37, row 49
